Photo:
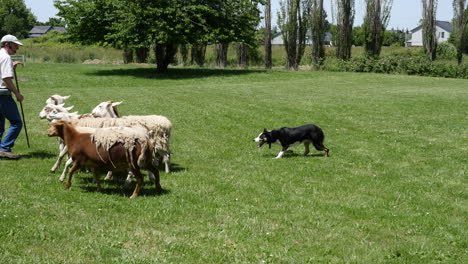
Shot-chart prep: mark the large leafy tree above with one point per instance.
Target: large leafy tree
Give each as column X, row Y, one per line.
column 15, row 18
column 162, row 24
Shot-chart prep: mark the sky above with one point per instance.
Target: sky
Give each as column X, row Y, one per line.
column 405, row 14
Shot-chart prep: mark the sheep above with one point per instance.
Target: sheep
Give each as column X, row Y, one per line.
column 59, row 113
column 159, row 129
column 164, row 128
column 56, row 99
column 108, row 148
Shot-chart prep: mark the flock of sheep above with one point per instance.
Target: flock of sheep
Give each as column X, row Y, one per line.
column 104, row 141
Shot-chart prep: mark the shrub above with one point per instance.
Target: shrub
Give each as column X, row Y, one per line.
column 446, row 50
column 398, row 64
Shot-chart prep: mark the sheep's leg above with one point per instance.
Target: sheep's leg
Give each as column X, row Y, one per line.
column 108, row 176
column 154, row 170
column 64, row 172
column 128, row 181
column 70, row 174
column 139, row 179
column 167, row 162
column 63, row 151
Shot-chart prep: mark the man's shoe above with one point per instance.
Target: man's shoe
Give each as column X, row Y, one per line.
column 8, row 155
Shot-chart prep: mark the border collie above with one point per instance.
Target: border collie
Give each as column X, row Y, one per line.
column 289, row 136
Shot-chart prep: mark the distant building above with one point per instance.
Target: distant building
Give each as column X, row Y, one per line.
column 38, row 31
column 277, row 39
column 443, row 31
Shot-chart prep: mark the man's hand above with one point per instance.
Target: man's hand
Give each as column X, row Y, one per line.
column 16, row 63
column 19, row 97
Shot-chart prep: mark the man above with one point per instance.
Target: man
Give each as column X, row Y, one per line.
column 8, row 109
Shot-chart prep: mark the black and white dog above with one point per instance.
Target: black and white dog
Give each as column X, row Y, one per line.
column 288, row 136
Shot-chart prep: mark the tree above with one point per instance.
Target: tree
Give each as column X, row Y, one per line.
column 233, row 21
column 345, row 19
column 293, row 20
column 164, row 24
column 15, row 18
column 267, row 37
column 429, row 28
column 318, row 24
column 375, row 22
column 461, row 20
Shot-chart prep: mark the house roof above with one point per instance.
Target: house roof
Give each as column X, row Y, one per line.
column 40, row 29
column 445, row 25
column 60, row 29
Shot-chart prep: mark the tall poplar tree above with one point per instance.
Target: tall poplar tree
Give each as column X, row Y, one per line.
column 429, row 28
column 375, row 22
column 345, row 20
column 460, row 24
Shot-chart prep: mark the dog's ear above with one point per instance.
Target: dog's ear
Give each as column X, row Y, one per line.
column 265, row 130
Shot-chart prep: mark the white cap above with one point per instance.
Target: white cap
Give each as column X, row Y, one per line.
column 11, row 38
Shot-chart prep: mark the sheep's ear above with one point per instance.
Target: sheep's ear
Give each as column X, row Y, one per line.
column 74, row 113
column 61, row 105
column 65, row 97
column 69, row 108
column 116, row 103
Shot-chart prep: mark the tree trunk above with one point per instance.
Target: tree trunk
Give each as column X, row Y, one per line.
column 268, row 54
column 164, row 56
column 242, row 55
column 221, row 54
column 345, row 19
column 198, row 54
column 184, row 53
column 141, row 54
column 127, row 55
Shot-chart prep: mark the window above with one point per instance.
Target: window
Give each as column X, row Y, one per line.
column 442, row 34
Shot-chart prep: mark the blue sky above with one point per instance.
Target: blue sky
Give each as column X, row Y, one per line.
column 405, row 13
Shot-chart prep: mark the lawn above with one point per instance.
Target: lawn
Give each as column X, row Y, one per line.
column 394, row 189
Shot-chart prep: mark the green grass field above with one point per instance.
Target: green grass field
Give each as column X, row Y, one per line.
column 394, row 189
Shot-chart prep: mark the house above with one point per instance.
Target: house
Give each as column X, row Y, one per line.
column 277, row 39
column 443, row 30
column 38, row 31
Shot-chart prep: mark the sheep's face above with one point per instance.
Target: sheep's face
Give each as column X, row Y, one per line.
column 56, row 99
column 53, row 109
column 106, row 109
column 61, row 116
column 54, row 129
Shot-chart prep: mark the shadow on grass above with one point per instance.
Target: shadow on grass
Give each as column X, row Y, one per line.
column 38, row 155
column 178, row 73
column 296, row 155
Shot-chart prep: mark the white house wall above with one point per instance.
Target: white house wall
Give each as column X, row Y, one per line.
column 416, row 37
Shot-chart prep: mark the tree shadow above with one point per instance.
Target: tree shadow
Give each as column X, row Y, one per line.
column 173, row 73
